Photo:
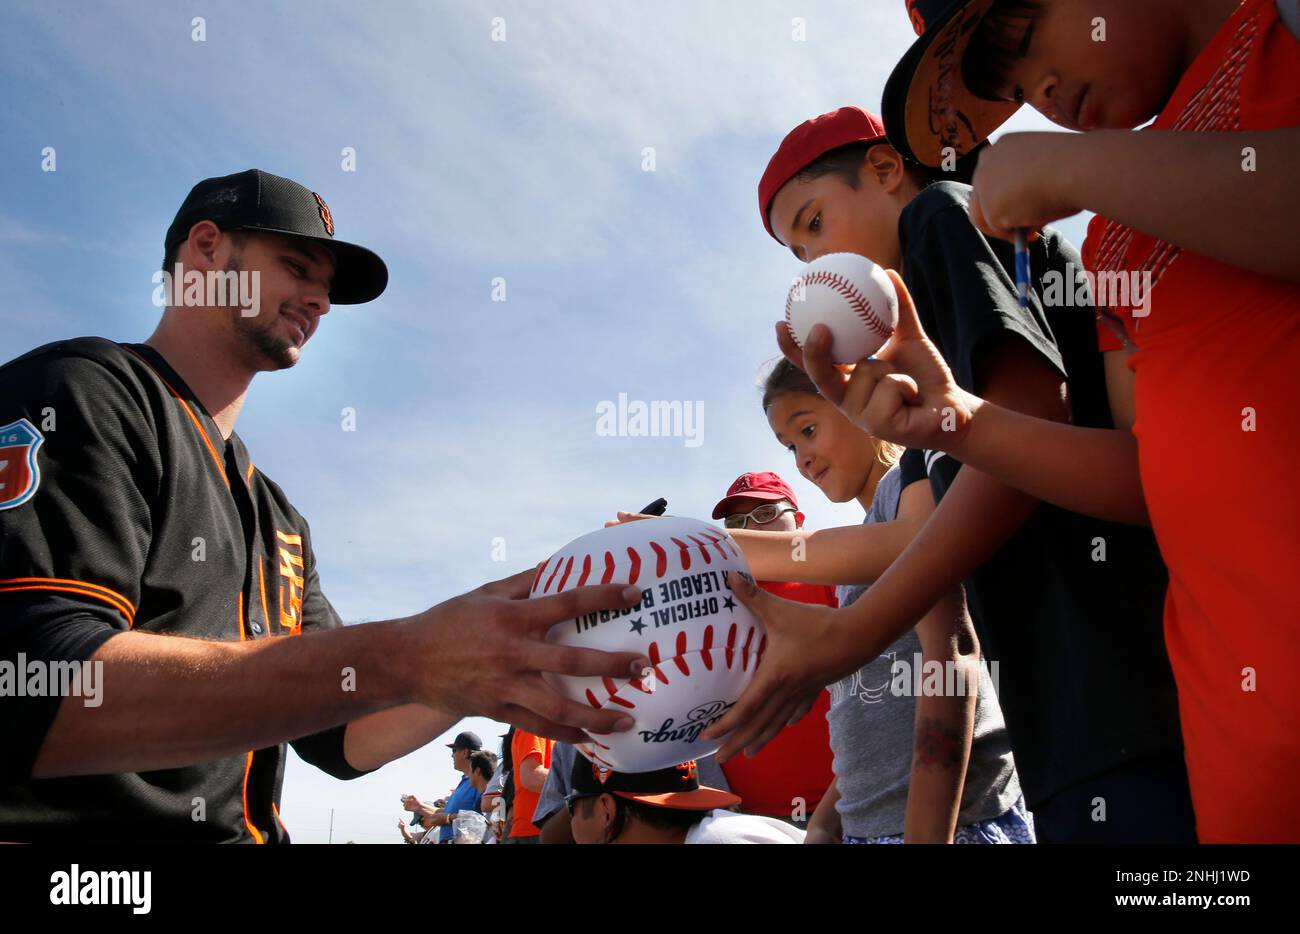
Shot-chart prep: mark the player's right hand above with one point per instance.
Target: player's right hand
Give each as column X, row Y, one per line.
column 483, row 654
column 906, row 394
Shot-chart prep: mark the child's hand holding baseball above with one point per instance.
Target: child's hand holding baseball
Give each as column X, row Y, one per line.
column 906, row 394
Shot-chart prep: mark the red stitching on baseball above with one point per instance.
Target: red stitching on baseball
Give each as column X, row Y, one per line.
column 744, row 658
column 717, row 543
column 731, row 644
column 609, row 568
column 636, row 564
column 540, row 571
column 639, row 684
column 554, row 571
column 601, row 759
column 568, row 567
column 686, row 553
column 599, row 743
column 622, row 702
column 704, row 549
column 586, row 569
column 661, row 559
column 861, row 307
column 705, row 652
column 591, row 699
column 654, row 662
column 681, row 654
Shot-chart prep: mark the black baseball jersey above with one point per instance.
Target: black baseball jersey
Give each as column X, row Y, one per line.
column 1085, row 683
column 122, row 508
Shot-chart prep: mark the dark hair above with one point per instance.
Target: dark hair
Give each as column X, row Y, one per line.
column 996, row 46
column 652, row 815
column 237, row 237
column 507, row 772
column 846, row 161
column 483, row 762
column 784, row 379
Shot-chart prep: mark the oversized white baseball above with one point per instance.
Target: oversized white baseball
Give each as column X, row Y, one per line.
column 849, row 294
column 703, row 644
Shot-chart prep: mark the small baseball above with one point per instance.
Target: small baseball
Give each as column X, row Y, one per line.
column 849, row 294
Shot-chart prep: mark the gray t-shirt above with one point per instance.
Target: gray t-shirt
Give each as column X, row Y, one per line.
column 558, row 780
column 872, row 727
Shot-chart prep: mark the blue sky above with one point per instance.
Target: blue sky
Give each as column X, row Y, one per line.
column 475, row 160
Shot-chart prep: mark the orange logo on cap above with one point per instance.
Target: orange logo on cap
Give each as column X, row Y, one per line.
column 325, row 214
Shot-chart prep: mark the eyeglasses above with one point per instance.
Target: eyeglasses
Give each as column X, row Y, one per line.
column 761, row 516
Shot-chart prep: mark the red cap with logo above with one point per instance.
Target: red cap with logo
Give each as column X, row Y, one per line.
column 807, row 143
column 765, row 486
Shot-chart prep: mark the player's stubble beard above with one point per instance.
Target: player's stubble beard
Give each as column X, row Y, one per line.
column 258, row 335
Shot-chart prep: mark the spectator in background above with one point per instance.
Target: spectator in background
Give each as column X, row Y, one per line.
column 465, row 795
column 531, row 756
column 493, row 801
column 788, row 778
column 482, row 766
column 667, row 806
column 551, row 814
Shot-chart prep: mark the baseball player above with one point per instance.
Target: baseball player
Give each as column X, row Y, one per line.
column 163, row 632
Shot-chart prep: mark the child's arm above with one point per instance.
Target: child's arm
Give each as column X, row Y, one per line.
column 824, row 826
column 809, row 647
column 1229, row 196
column 945, row 724
column 856, row 554
column 909, row 396
column 808, row 650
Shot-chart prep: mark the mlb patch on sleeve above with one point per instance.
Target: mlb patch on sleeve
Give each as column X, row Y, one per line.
column 19, row 475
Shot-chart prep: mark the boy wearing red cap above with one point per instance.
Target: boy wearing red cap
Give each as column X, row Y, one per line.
column 795, row 768
column 1086, row 690
column 665, row 806
column 1199, row 210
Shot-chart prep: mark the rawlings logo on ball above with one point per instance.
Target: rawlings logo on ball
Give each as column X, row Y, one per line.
column 849, row 294
column 703, row 643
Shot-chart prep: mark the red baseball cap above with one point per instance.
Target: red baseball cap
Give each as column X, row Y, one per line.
column 764, row 486
column 808, row 142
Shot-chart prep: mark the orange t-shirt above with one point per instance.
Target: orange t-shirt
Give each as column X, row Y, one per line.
column 522, row 746
column 1217, row 373
column 797, row 762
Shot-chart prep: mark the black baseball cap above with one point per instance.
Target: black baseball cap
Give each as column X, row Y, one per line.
column 677, row 786
column 257, row 200
column 928, row 104
column 466, row 740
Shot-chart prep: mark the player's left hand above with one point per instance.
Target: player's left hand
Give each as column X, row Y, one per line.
column 799, row 661
column 1022, row 182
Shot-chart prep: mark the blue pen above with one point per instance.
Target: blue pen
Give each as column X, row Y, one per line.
column 1022, row 267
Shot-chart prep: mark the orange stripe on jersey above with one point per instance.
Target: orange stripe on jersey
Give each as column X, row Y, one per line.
column 81, row 588
column 248, row 477
column 288, row 539
column 257, row 834
column 248, row 763
column 198, row 425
